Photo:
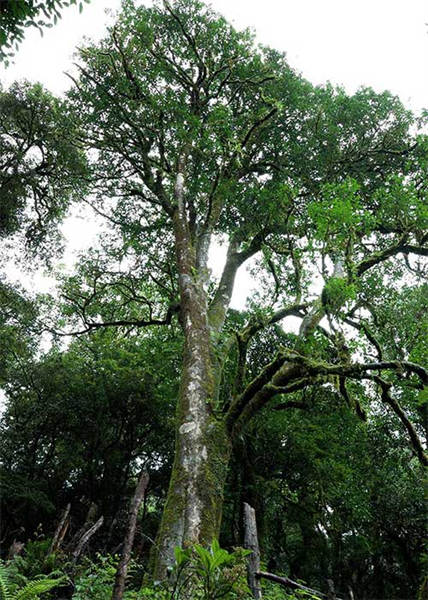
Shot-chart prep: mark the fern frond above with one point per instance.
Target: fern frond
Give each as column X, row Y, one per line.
column 34, row 588
column 4, row 584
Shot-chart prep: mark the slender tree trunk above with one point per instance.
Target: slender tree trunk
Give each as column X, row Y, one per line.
column 85, row 539
column 122, row 569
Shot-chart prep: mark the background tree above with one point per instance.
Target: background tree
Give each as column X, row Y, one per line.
column 336, row 497
column 18, row 335
column 41, row 169
column 75, row 422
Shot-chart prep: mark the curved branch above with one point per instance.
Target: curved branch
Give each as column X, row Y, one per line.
column 221, row 300
column 401, row 247
column 294, row 310
column 253, row 387
column 394, row 404
column 358, row 369
column 91, row 326
column 369, row 335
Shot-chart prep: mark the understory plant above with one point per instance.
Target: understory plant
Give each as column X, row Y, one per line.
column 32, row 590
column 95, row 579
column 203, row 574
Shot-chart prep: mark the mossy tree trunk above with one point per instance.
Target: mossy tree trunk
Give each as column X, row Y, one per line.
column 192, row 511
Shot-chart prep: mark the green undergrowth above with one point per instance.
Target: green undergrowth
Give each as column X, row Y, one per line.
column 198, row 574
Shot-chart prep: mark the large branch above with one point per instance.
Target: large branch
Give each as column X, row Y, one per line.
column 243, row 337
column 256, row 126
column 395, row 405
column 286, row 582
column 220, row 303
column 402, row 247
column 355, row 370
column 293, row 310
column 291, row 372
column 282, row 376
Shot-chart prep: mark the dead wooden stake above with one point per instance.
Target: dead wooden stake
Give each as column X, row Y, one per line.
column 89, row 521
column 286, row 582
column 15, row 549
column 251, row 542
column 86, row 537
column 60, row 531
column 331, row 593
column 122, row 568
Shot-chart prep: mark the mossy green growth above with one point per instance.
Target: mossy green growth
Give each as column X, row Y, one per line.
column 218, row 448
column 210, row 485
column 337, row 291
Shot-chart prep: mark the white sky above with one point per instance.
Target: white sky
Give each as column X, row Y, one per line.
column 380, row 43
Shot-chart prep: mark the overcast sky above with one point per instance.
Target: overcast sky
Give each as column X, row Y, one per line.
column 380, row 43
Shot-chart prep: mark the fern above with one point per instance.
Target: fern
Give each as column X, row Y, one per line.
column 4, row 584
column 31, row 591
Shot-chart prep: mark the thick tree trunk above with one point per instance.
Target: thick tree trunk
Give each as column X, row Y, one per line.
column 193, row 506
column 192, row 511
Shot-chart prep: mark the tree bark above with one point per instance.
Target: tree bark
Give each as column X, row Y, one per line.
column 252, row 543
column 122, row 568
column 192, row 511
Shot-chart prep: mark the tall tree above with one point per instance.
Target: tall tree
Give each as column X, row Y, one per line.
column 195, row 134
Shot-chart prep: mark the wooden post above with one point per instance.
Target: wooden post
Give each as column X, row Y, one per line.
column 61, row 530
column 331, row 593
column 251, row 542
column 89, row 521
column 122, row 568
column 85, row 538
column 15, row 549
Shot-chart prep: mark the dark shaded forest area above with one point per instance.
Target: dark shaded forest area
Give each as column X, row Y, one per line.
column 141, row 408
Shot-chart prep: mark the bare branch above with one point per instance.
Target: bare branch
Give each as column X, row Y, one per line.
column 133, row 323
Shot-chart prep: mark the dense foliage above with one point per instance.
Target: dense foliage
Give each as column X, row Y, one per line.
column 181, row 135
